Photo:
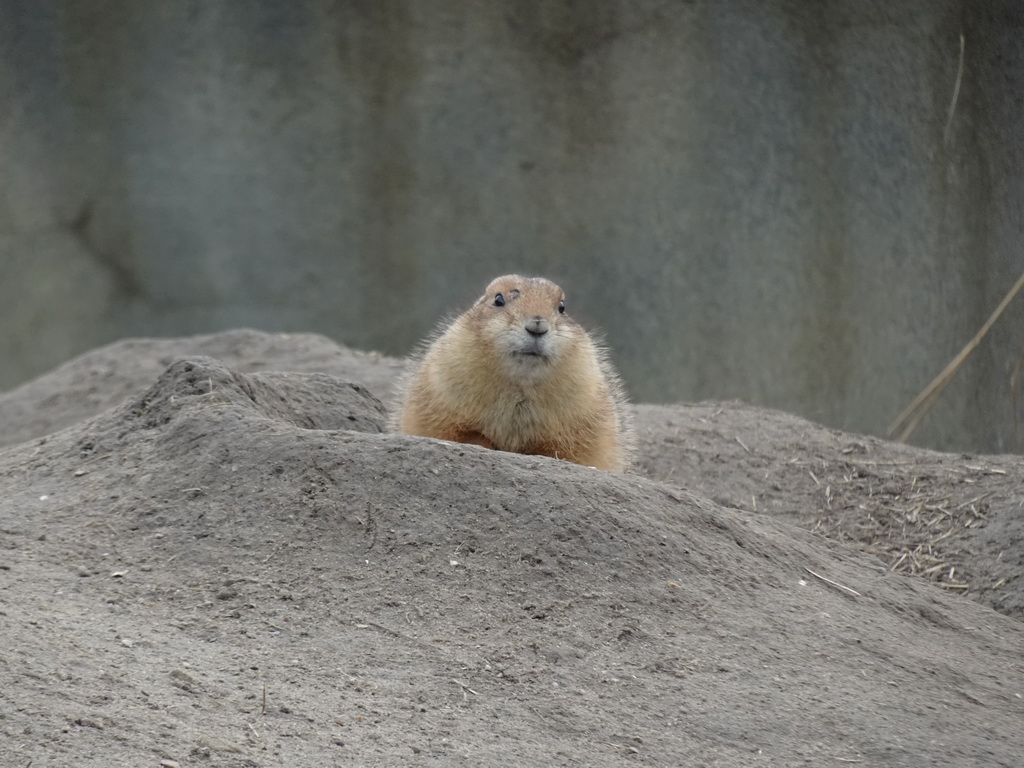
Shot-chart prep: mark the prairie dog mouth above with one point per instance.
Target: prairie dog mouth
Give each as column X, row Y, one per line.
column 533, row 348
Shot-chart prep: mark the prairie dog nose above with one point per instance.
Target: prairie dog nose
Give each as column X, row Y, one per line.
column 536, row 326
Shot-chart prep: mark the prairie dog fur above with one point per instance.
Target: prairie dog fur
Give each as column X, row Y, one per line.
column 515, row 373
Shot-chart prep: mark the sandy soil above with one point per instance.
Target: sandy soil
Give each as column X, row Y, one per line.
column 210, row 555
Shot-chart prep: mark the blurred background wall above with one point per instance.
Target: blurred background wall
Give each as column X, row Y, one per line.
column 809, row 206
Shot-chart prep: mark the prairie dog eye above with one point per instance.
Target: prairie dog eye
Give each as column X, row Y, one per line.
column 499, row 300
column 561, row 307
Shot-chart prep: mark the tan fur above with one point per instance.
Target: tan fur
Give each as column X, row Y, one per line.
column 486, row 379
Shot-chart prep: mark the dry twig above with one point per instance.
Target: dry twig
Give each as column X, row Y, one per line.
column 956, row 92
column 836, row 584
column 920, row 405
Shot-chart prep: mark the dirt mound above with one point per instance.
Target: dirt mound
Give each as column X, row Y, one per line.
column 104, row 377
column 237, row 569
column 957, row 521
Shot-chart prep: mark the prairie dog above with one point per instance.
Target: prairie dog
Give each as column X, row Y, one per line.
column 515, row 373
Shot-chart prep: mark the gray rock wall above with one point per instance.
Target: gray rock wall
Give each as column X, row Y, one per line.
column 771, row 201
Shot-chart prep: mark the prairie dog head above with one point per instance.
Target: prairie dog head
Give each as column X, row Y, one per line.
column 524, row 321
